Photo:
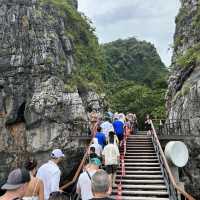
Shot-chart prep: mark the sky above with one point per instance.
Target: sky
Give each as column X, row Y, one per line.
column 150, row 20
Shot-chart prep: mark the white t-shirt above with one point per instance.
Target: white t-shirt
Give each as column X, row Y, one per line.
column 49, row 173
column 111, row 154
column 84, row 183
column 106, row 128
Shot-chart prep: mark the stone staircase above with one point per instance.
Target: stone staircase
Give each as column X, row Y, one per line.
column 143, row 179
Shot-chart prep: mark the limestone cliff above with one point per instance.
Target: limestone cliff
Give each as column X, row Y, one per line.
column 183, row 97
column 38, row 52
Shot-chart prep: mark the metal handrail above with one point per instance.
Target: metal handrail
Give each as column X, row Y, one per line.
column 178, row 127
column 177, row 190
column 83, row 161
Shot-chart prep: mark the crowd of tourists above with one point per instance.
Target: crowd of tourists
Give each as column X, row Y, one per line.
column 104, row 151
column 98, row 176
column 29, row 184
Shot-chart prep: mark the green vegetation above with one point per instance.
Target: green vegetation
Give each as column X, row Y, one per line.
column 183, row 92
column 186, row 88
column 190, row 58
column 133, row 60
column 135, row 78
column 179, row 41
column 87, row 51
column 140, row 99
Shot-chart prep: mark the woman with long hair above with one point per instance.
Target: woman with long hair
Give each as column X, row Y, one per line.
column 35, row 190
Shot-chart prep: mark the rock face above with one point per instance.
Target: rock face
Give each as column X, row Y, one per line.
column 183, row 97
column 36, row 113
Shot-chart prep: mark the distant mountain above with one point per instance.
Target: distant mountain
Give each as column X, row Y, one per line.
column 135, row 78
column 133, row 60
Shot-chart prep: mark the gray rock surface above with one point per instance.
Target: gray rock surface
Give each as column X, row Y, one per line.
column 183, row 96
column 36, row 113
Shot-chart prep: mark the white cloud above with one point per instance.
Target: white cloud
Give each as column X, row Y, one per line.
column 151, row 20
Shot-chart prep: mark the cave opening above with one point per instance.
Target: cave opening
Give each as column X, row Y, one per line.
column 19, row 118
column 20, row 113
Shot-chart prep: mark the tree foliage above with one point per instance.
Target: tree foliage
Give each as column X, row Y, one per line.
column 135, row 78
column 135, row 60
column 89, row 62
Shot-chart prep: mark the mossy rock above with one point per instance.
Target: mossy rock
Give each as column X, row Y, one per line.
column 186, row 89
column 190, row 58
column 86, row 49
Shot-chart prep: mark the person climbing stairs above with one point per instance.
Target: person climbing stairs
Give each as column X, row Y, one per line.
column 143, row 174
column 141, row 178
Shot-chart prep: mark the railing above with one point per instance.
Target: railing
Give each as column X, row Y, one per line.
column 72, row 184
column 175, row 192
column 172, row 127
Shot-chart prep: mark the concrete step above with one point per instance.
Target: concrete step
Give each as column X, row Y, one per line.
column 131, row 192
column 152, row 187
column 127, row 157
column 138, row 135
column 141, row 160
column 138, row 143
column 140, row 154
column 141, row 172
column 141, row 181
column 144, row 176
column 139, row 139
column 140, row 151
column 150, row 168
column 140, row 147
column 142, row 164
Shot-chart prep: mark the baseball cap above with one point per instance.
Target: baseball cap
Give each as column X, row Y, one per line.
column 57, row 153
column 95, row 161
column 16, row 179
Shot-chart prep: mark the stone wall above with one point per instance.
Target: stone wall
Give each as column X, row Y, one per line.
column 183, row 96
column 36, row 113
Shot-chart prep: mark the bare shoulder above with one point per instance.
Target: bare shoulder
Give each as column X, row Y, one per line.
column 40, row 181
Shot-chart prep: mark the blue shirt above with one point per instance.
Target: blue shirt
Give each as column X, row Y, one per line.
column 101, row 138
column 118, row 127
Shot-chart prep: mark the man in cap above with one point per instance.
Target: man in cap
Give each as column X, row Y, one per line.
column 16, row 184
column 50, row 173
column 84, row 181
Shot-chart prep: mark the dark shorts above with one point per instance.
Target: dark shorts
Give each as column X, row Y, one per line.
column 111, row 169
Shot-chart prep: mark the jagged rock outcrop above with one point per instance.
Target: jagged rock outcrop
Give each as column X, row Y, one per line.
column 183, row 97
column 36, row 57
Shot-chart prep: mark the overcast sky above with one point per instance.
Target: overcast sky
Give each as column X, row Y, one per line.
column 150, row 20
